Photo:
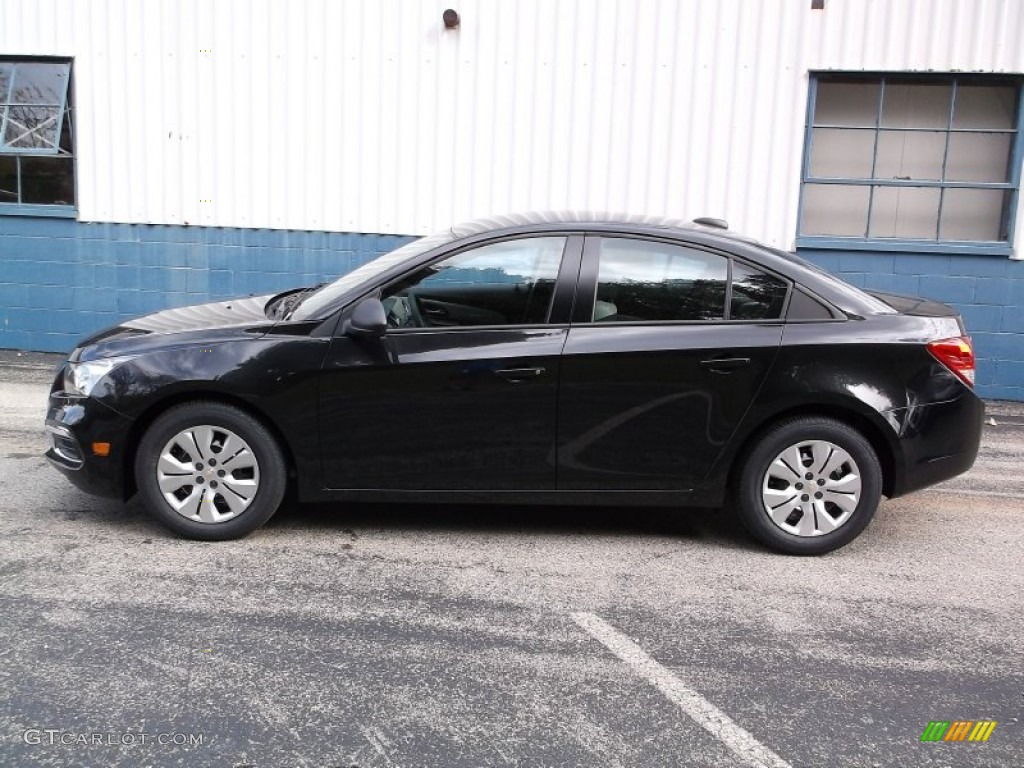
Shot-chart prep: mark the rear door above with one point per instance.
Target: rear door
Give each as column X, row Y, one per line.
column 669, row 345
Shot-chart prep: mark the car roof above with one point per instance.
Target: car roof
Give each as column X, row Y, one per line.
column 605, row 220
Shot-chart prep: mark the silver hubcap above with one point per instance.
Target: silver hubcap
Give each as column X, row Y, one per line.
column 811, row 488
column 208, row 474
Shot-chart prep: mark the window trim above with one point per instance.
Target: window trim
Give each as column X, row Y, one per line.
column 69, row 99
column 38, row 210
column 916, row 245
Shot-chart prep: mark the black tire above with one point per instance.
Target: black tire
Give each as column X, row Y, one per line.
column 270, row 471
column 755, row 481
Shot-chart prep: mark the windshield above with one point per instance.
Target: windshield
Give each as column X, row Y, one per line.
column 316, row 303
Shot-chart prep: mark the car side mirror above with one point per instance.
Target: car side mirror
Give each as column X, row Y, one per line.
column 367, row 319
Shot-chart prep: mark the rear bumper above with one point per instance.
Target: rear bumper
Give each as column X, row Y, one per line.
column 73, row 425
column 939, row 441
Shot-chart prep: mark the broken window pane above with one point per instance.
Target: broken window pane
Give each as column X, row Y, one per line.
column 40, row 83
column 32, row 127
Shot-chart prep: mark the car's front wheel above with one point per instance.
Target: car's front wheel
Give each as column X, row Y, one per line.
column 210, row 471
column 809, row 485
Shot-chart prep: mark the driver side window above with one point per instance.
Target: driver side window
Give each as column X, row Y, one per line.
column 506, row 283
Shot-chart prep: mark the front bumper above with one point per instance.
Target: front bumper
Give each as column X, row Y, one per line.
column 74, row 424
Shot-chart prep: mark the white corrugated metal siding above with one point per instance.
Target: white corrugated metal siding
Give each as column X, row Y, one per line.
column 368, row 116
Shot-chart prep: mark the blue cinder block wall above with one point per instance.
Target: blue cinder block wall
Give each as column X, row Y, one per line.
column 61, row 279
column 987, row 290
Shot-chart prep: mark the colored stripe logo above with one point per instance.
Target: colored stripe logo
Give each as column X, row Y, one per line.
column 958, row 730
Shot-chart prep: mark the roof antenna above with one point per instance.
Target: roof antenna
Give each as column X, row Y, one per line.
column 707, row 221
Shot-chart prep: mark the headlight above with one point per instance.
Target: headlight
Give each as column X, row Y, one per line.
column 82, row 378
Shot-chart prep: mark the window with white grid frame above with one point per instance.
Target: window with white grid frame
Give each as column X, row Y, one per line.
column 918, row 160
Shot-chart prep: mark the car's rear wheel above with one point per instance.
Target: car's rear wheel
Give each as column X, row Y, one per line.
column 210, row 471
column 808, row 486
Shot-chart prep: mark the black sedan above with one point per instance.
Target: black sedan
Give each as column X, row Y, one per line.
column 534, row 358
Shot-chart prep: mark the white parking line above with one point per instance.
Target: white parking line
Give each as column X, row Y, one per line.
column 985, row 494
column 30, row 366
column 696, row 707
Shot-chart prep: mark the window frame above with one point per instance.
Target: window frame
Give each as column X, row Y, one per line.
column 67, row 108
column 586, row 290
column 916, row 245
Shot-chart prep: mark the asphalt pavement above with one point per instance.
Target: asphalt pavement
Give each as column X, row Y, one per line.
column 404, row 635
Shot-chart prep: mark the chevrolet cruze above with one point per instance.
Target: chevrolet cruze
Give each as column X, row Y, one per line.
column 533, row 359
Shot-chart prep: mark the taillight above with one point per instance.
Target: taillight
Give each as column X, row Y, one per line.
column 957, row 355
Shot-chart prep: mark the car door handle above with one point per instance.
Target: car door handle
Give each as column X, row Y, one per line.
column 520, row 374
column 725, row 364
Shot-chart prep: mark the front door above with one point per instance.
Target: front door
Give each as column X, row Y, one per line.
column 461, row 393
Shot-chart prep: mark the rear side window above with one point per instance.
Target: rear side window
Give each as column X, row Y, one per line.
column 648, row 281
column 756, row 295
column 642, row 280
column 804, row 307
